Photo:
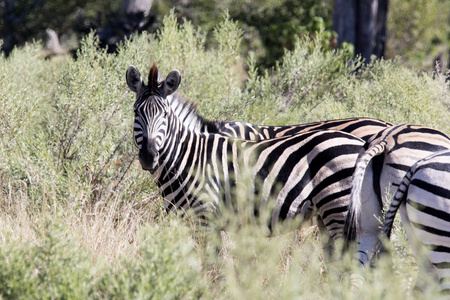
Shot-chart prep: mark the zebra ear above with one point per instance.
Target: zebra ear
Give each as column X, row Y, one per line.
column 172, row 82
column 134, row 79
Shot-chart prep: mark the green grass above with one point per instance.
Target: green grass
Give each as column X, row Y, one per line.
column 80, row 219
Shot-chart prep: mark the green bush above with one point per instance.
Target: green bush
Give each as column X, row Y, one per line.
column 418, row 31
column 52, row 268
column 166, row 267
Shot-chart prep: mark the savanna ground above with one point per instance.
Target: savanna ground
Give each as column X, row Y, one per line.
column 81, row 220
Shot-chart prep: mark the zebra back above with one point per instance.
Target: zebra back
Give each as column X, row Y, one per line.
column 186, row 111
column 363, row 128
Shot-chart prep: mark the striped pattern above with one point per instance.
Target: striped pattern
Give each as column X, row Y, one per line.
column 186, row 111
column 202, row 171
column 312, row 169
column 363, row 128
column 424, row 198
column 381, row 166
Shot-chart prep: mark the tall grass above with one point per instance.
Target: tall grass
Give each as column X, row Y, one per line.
column 80, row 219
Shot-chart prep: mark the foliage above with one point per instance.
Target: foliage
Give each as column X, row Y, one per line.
column 54, row 268
column 26, row 20
column 167, row 267
column 270, row 26
column 277, row 23
column 418, row 30
column 80, row 219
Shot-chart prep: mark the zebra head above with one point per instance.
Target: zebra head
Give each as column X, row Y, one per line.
column 151, row 111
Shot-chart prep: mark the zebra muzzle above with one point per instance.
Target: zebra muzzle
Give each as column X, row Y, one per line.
column 148, row 155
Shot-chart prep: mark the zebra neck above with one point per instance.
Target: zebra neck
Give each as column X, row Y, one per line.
column 182, row 166
column 186, row 112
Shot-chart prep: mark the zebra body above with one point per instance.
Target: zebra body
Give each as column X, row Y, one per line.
column 424, row 201
column 306, row 167
column 381, row 165
column 200, row 170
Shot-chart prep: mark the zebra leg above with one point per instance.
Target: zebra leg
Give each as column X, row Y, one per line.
column 424, row 264
column 327, row 242
column 369, row 224
column 367, row 236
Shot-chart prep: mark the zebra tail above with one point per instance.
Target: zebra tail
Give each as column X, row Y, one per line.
column 352, row 222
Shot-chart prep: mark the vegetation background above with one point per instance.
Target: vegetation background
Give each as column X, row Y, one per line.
column 81, row 220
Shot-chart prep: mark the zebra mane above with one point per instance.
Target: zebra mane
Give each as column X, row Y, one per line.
column 186, row 111
column 153, row 75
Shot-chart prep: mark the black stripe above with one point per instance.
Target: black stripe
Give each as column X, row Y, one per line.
column 334, row 221
column 209, row 146
column 314, row 167
column 361, row 123
column 440, row 214
column 418, row 145
column 427, row 131
column 442, row 265
column 438, row 166
column 332, row 211
column 431, row 188
column 332, row 179
column 377, row 167
column 431, row 229
column 333, row 196
column 292, row 160
column 440, row 248
column 403, row 168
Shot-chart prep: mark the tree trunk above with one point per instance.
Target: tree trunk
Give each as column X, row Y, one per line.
column 344, row 20
column 380, row 35
column 365, row 28
column 362, row 23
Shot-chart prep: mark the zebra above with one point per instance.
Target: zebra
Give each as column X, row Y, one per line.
column 200, row 170
column 186, row 111
column 424, row 201
column 382, row 163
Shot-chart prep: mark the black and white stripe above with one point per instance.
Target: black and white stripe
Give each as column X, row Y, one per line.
column 363, row 128
column 186, row 111
column 424, row 201
column 380, row 167
column 201, row 171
